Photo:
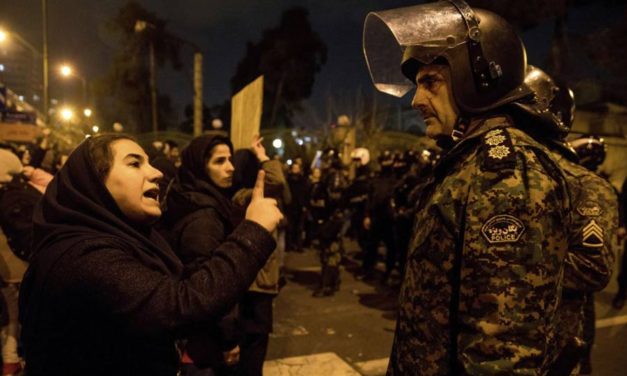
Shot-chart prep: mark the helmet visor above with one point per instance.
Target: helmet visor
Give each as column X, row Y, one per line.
column 421, row 32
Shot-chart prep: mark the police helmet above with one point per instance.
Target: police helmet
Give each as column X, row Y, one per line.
column 360, row 155
column 486, row 56
column 552, row 105
column 386, row 158
column 591, row 151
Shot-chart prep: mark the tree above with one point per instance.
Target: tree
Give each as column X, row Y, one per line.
column 607, row 47
column 124, row 94
column 562, row 64
column 289, row 56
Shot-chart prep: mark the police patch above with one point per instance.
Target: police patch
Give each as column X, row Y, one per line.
column 589, row 209
column 503, row 228
column 592, row 235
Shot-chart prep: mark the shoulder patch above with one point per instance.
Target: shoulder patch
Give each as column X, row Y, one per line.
column 589, row 209
column 592, row 235
column 498, row 151
column 503, row 228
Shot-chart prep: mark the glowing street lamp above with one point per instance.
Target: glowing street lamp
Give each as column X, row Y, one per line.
column 95, row 128
column 87, row 112
column 67, row 114
column 3, row 36
column 66, row 70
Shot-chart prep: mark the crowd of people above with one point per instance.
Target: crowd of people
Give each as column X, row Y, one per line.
column 125, row 260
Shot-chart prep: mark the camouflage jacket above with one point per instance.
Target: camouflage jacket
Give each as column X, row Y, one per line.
column 590, row 258
column 485, row 261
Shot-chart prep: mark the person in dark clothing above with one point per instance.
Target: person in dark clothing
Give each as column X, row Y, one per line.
column 299, row 189
column 379, row 220
column 198, row 217
column 103, row 289
column 256, row 312
column 403, row 210
column 17, row 203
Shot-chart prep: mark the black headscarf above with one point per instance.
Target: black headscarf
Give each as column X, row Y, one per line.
column 193, row 189
column 77, row 208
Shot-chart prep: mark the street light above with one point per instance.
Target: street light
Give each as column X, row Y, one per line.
column 66, row 70
column 67, row 114
column 87, row 112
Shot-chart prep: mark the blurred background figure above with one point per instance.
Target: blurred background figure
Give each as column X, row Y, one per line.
column 297, row 209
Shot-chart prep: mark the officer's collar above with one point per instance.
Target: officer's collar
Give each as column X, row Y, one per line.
column 477, row 127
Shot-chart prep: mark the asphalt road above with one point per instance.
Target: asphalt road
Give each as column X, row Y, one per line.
column 351, row 333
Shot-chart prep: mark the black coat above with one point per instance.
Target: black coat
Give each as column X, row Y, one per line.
column 198, row 218
column 104, row 297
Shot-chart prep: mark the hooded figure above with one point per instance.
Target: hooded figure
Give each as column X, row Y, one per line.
column 199, row 216
column 105, row 292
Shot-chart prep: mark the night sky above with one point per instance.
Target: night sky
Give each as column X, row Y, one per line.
column 222, row 28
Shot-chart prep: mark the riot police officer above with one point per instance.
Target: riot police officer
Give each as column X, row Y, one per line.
column 379, row 220
column 548, row 116
column 357, row 195
column 403, row 206
column 327, row 204
column 485, row 259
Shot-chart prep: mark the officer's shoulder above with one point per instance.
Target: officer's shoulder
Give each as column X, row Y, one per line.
column 508, row 148
column 497, row 150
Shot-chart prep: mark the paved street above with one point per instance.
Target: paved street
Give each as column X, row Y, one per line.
column 351, row 333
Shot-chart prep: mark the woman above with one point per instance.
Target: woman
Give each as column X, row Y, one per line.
column 104, row 293
column 199, row 216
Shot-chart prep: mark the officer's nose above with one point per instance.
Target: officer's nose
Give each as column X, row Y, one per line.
column 420, row 102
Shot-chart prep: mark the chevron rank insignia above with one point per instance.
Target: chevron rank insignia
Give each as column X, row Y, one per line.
column 503, row 228
column 589, row 209
column 592, row 235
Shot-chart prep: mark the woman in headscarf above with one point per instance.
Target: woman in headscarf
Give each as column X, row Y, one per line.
column 104, row 293
column 199, row 216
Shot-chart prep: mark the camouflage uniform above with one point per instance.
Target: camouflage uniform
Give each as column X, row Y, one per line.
column 590, row 258
column 498, row 201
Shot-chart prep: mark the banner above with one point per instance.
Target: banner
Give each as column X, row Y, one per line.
column 18, row 126
column 246, row 109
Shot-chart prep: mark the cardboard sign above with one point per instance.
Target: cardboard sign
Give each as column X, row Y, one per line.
column 18, row 132
column 246, row 109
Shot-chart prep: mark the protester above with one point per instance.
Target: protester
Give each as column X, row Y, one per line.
column 104, row 293
column 198, row 218
column 16, row 198
column 256, row 311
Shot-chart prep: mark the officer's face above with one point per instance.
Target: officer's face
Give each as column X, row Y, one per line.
column 434, row 99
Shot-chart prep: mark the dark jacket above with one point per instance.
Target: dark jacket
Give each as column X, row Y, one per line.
column 198, row 218
column 17, row 203
column 111, row 297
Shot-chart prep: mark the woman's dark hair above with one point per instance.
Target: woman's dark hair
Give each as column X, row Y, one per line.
column 101, row 154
